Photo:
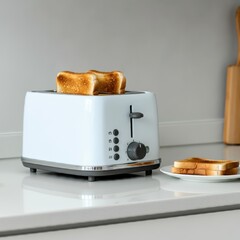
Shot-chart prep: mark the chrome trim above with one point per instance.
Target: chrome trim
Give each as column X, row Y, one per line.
column 91, row 168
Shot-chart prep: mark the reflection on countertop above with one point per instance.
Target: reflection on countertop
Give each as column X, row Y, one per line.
column 65, row 191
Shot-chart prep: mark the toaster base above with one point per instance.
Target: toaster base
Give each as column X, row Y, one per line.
column 92, row 171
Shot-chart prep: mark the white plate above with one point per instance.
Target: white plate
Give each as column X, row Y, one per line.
column 199, row 178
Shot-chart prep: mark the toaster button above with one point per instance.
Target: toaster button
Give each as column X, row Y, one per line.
column 116, row 148
column 116, row 156
column 116, row 140
column 115, row 132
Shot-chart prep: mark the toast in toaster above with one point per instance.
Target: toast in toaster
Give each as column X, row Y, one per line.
column 91, row 83
column 77, row 83
column 203, row 163
column 205, row 172
column 110, row 82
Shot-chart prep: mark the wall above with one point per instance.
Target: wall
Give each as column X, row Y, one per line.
column 178, row 49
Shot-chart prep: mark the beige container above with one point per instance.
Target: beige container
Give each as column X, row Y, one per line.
column 231, row 131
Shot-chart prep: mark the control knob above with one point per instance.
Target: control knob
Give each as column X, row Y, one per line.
column 136, row 151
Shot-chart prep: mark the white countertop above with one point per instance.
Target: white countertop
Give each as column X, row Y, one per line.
column 44, row 201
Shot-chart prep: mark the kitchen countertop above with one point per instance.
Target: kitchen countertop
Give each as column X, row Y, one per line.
column 48, row 201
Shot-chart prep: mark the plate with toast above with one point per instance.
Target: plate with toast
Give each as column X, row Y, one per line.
column 203, row 170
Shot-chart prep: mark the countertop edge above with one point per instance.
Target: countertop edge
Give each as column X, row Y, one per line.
column 79, row 218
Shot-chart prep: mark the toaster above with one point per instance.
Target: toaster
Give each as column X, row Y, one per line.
column 91, row 136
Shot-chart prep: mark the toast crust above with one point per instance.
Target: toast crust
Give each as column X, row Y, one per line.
column 76, row 83
column 203, row 163
column 110, row 82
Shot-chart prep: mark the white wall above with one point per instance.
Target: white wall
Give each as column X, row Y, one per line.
column 177, row 48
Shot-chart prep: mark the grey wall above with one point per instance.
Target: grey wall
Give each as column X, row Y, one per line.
column 177, row 48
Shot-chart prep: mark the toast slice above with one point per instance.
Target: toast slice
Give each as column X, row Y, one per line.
column 77, row 83
column 205, row 172
column 203, row 163
column 110, row 82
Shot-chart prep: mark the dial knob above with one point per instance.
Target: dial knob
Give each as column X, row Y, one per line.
column 136, row 151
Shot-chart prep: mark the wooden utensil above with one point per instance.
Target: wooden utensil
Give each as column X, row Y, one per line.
column 231, row 133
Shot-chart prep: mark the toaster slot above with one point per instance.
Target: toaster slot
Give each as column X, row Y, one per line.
column 131, row 122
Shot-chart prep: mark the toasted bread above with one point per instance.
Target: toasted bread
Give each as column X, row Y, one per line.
column 77, row 83
column 205, row 172
column 110, row 82
column 203, row 163
column 91, row 83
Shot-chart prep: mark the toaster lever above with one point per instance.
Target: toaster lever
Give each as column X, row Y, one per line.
column 136, row 115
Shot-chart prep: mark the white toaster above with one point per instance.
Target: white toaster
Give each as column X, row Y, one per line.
column 91, row 135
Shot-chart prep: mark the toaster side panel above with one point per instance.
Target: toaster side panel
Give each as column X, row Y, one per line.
column 146, row 129
column 121, row 130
